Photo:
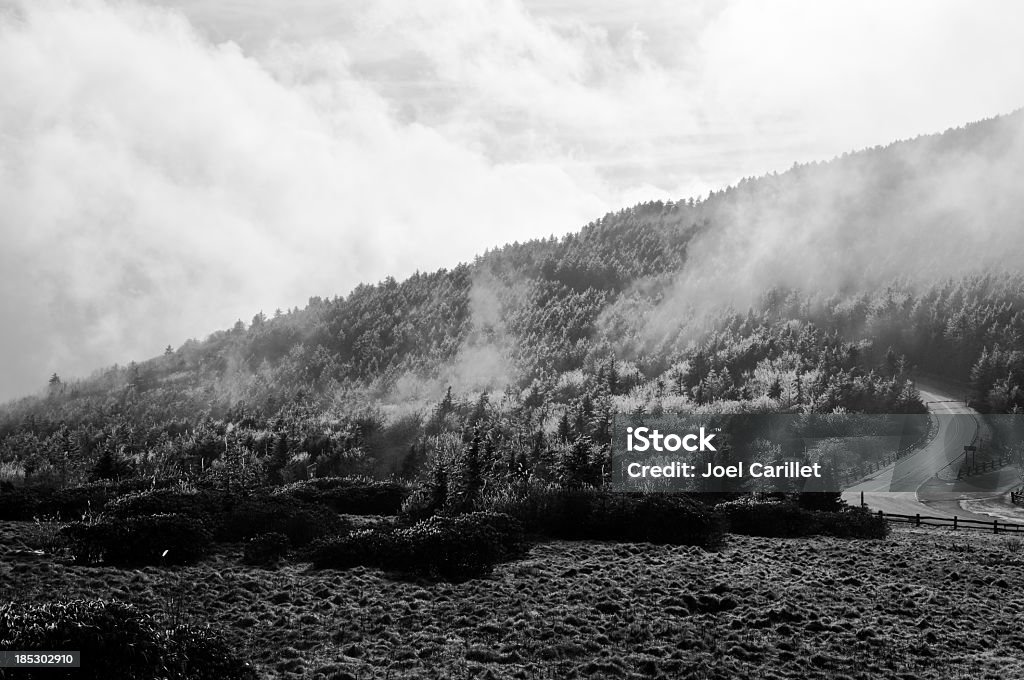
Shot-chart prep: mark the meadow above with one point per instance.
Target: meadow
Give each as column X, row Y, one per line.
column 921, row 603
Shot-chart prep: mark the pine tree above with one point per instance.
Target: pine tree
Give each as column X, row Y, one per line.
column 278, row 458
column 110, row 466
column 564, row 432
column 410, row 463
column 55, row 385
column 468, row 480
column 576, row 467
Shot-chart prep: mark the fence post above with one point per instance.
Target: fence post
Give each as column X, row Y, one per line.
column 995, row 526
column 955, row 518
column 881, row 515
column 917, row 522
column 862, row 499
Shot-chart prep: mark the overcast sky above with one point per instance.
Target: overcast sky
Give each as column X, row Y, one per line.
column 168, row 167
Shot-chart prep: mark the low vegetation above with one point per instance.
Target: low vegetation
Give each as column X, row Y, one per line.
column 360, row 496
column 786, row 518
column 453, row 548
column 590, row 514
column 266, row 550
column 117, row 640
column 136, row 541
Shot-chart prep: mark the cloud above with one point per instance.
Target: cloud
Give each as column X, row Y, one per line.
column 918, row 212
column 157, row 186
column 834, row 76
column 169, row 166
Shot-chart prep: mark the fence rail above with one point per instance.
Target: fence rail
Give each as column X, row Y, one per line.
column 955, row 522
column 984, row 466
column 851, row 476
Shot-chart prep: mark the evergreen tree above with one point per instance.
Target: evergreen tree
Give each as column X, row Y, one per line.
column 564, row 432
column 110, row 466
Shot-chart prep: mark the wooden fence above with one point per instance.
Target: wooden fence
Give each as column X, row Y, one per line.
column 955, row 522
column 852, row 476
column 984, row 466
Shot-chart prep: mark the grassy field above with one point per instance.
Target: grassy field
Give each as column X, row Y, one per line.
column 924, row 603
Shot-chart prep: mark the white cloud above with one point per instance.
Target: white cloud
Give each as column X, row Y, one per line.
column 166, row 170
column 836, row 75
column 156, row 186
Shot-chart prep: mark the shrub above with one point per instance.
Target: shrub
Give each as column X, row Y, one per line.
column 854, row 523
column 590, row 514
column 204, row 504
column 754, row 517
column 354, row 496
column 121, row 641
column 45, row 535
column 125, row 541
column 462, row 547
column 231, row 518
column 825, row 501
column 300, row 522
column 24, row 503
column 265, row 550
column 76, row 501
column 453, row 548
column 20, row 503
column 365, row 547
column 655, row 518
column 429, row 497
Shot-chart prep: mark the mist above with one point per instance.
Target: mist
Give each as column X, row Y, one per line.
column 917, row 213
column 157, row 187
column 169, row 167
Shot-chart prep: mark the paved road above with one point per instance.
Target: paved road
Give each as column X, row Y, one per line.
column 910, row 486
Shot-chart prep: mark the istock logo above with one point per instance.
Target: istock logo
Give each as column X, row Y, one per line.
column 645, row 439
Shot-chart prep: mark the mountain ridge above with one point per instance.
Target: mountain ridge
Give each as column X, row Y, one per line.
column 818, row 288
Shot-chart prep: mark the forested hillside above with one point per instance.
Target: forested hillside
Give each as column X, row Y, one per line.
column 825, row 287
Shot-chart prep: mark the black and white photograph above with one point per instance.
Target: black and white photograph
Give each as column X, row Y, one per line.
column 511, row 339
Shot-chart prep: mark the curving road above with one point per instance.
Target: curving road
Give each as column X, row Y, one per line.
column 911, row 485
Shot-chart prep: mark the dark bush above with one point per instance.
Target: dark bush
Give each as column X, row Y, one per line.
column 463, row 546
column 19, row 503
column 130, row 541
column 116, row 640
column 365, row 547
column 300, row 522
column 233, row 518
column 754, row 517
column 266, row 550
column 589, row 514
column 453, row 548
column 510, row 533
column 825, row 501
column 854, row 523
column 76, row 501
column 203, row 504
column 73, row 502
column 353, row 496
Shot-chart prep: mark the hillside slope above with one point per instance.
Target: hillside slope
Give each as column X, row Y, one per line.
column 820, row 288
